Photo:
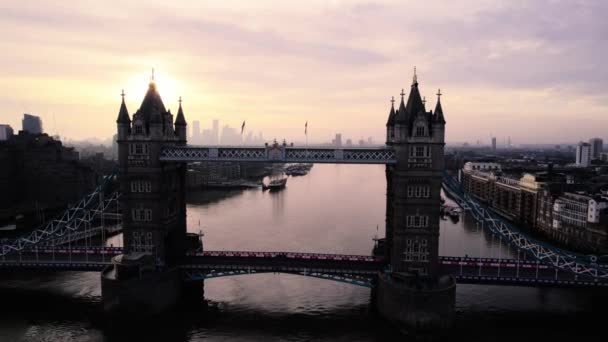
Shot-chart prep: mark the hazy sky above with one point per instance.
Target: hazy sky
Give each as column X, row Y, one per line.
column 532, row 70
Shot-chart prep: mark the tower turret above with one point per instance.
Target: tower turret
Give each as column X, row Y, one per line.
column 390, row 124
column 180, row 124
column 438, row 121
column 123, row 122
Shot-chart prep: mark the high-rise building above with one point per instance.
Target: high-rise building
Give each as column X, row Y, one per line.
column 337, row 140
column 216, row 132
column 31, row 124
column 494, row 144
column 583, row 154
column 196, row 132
column 6, row 132
column 230, row 136
column 597, row 146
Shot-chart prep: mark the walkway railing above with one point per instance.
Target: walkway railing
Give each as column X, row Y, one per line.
column 539, row 250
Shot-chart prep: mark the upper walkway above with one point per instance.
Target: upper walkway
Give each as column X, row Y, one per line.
column 277, row 153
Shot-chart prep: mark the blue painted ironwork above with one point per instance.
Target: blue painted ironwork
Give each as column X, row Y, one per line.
column 74, row 224
column 279, row 154
column 542, row 251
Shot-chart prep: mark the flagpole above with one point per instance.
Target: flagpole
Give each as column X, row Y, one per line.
column 306, row 134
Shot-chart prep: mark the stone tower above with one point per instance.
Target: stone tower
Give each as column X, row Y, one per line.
column 413, row 292
column 143, row 279
column 153, row 201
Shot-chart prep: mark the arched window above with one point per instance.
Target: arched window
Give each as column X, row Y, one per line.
column 420, row 130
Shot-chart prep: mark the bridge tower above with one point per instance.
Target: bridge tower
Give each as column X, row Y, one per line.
column 412, row 291
column 153, row 208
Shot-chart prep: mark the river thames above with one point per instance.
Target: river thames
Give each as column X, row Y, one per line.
column 333, row 209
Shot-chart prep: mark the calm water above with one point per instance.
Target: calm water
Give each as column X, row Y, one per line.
column 335, row 208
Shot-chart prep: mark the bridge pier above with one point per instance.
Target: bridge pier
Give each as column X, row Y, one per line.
column 416, row 305
column 133, row 285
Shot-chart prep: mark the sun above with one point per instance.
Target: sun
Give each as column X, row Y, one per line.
column 137, row 84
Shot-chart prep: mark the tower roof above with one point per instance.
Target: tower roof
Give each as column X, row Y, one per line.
column 152, row 106
column 123, row 113
column 180, row 120
column 391, row 114
column 438, row 110
column 414, row 103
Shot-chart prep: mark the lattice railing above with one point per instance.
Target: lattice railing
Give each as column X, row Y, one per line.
column 280, row 154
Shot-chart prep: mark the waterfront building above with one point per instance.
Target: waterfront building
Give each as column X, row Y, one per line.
column 6, row 132
column 543, row 202
column 31, row 124
column 597, row 147
column 583, row 154
column 494, row 144
column 577, row 219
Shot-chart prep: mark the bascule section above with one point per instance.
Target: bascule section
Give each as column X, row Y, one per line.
column 153, row 207
column 412, row 291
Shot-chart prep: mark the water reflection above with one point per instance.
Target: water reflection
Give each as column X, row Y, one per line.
column 334, row 209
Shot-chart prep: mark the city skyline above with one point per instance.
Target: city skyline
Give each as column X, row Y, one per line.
column 334, row 64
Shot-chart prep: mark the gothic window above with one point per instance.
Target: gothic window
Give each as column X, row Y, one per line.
column 139, row 129
column 418, row 191
column 141, row 186
column 420, row 130
column 416, row 250
column 141, row 214
column 138, row 149
column 420, row 151
column 416, row 221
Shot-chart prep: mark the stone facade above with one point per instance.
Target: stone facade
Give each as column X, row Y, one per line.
column 153, row 202
column 412, row 293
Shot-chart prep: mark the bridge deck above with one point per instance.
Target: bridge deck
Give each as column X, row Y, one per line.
column 210, row 264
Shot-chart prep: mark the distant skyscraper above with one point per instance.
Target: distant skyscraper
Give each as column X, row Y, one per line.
column 31, row 124
column 216, row 132
column 597, row 146
column 583, row 154
column 494, row 144
column 196, row 132
column 338, row 140
column 6, row 132
column 230, row 136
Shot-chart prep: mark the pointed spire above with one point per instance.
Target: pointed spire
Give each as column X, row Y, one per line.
column 402, row 104
column 180, row 119
column 123, row 113
column 413, row 106
column 391, row 114
column 438, row 110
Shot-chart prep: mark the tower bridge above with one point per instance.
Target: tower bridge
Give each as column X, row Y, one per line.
column 160, row 262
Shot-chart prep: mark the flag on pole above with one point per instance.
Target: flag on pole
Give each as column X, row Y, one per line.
column 243, row 127
column 306, row 128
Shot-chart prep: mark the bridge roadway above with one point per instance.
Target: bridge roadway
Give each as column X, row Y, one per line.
column 356, row 269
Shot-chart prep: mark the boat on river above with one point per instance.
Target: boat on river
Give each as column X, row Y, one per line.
column 275, row 183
